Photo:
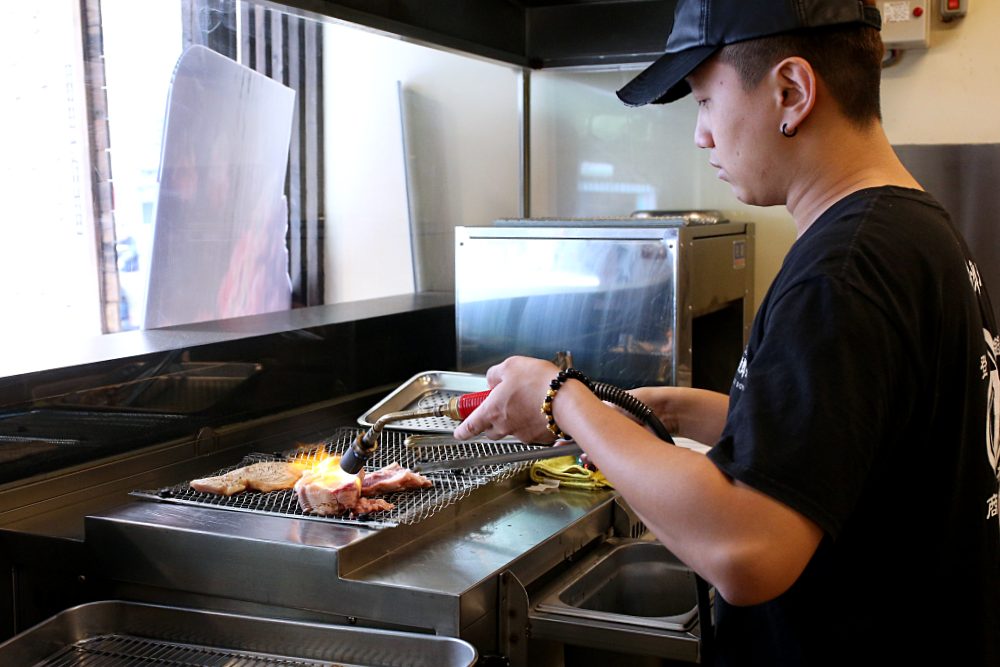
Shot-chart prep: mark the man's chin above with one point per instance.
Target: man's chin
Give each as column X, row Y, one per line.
column 751, row 199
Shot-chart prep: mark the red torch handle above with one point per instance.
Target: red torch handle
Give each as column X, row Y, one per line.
column 469, row 402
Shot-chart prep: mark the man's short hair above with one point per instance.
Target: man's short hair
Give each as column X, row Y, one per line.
column 847, row 58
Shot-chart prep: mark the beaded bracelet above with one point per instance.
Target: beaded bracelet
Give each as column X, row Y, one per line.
column 568, row 374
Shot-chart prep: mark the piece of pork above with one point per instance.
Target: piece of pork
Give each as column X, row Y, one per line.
column 328, row 494
column 366, row 505
column 392, row 478
column 265, row 476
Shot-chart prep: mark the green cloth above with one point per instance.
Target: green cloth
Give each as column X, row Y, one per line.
column 569, row 473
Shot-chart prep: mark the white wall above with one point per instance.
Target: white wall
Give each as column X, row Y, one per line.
column 949, row 93
column 461, row 154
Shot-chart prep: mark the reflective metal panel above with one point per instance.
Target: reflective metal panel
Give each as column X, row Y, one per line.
column 606, row 295
column 633, row 302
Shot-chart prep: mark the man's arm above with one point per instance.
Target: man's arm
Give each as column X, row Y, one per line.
column 748, row 545
column 698, row 414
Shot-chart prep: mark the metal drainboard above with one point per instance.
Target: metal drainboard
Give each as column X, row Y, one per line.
column 431, row 400
column 410, row 506
column 127, row 651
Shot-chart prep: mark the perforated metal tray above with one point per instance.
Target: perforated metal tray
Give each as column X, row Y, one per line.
column 425, row 390
column 113, row 633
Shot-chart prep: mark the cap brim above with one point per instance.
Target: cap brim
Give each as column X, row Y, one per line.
column 663, row 81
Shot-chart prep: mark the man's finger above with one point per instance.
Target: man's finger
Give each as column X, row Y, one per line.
column 466, row 430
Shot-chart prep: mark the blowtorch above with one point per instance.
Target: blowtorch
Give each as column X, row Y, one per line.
column 364, row 446
column 460, row 407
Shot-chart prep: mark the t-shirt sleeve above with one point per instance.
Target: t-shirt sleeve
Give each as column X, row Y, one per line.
column 813, row 407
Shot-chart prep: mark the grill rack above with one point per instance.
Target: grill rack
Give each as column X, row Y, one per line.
column 116, row 650
column 411, row 506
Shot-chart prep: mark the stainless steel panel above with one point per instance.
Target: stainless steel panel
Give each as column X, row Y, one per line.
column 605, row 294
column 621, row 294
column 719, row 269
column 118, row 633
column 439, row 575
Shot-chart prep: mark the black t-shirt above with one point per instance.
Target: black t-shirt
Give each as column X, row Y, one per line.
column 867, row 399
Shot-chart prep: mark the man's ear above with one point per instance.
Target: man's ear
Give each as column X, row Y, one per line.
column 795, row 90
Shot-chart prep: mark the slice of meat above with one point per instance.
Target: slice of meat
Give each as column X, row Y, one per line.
column 392, row 478
column 366, row 505
column 265, row 476
column 328, row 494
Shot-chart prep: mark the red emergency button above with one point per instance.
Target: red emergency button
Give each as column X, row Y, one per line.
column 919, row 11
column 953, row 4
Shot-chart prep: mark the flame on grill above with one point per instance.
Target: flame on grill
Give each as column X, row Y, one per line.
column 319, row 466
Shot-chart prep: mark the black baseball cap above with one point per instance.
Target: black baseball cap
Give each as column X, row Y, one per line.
column 702, row 27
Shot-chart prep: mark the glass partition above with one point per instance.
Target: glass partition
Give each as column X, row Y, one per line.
column 303, row 162
column 220, row 210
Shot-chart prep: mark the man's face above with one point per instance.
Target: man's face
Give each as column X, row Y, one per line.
column 739, row 129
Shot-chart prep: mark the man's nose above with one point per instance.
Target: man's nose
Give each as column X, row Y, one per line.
column 702, row 136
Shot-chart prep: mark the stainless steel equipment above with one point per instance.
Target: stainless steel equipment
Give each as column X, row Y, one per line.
column 116, row 633
column 646, row 301
column 626, row 592
column 471, row 563
column 471, row 559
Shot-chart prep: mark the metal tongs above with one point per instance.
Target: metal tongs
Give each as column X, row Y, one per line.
column 563, row 360
column 534, row 454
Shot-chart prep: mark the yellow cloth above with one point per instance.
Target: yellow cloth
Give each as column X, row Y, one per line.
column 569, row 473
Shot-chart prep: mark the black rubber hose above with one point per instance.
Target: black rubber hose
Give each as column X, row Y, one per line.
column 632, row 405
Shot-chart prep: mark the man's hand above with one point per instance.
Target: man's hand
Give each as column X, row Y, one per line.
column 514, row 405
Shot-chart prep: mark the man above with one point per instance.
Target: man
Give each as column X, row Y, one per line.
column 847, row 513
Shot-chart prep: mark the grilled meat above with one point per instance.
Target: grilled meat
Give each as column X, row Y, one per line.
column 391, row 478
column 366, row 505
column 328, row 492
column 265, row 476
column 335, row 492
column 320, row 486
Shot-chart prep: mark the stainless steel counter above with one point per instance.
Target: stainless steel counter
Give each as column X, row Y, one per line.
column 468, row 571
column 440, row 575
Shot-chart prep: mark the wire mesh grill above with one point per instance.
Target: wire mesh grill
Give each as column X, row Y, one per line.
column 124, row 650
column 411, row 506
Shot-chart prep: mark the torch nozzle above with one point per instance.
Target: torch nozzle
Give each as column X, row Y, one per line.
column 357, row 455
column 366, row 442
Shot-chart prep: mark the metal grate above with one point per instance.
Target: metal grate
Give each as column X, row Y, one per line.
column 124, row 650
column 431, row 399
column 410, row 506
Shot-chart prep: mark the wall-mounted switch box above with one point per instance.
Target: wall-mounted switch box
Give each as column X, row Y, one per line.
column 906, row 24
column 953, row 9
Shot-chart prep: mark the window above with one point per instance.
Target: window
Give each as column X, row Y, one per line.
column 392, row 145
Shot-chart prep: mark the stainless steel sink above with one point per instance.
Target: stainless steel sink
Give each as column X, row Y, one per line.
column 637, row 582
column 629, row 595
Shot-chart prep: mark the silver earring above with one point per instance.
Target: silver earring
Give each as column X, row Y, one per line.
column 786, row 133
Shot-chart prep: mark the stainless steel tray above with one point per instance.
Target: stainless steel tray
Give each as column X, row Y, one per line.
column 425, row 390
column 113, row 633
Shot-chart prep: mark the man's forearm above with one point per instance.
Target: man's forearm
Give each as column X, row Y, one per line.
column 698, row 414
